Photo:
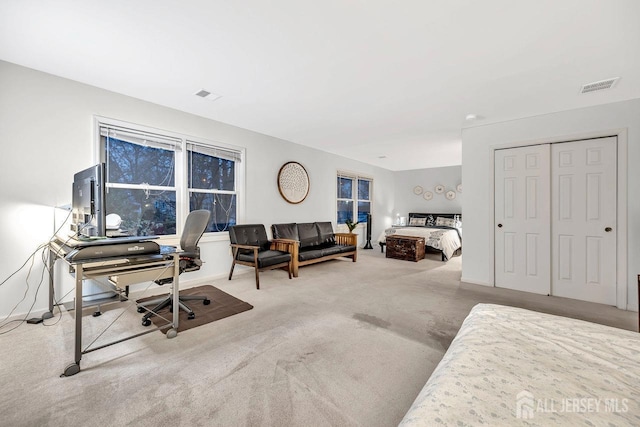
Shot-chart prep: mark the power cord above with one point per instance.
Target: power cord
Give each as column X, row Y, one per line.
column 5, row 322
column 31, row 258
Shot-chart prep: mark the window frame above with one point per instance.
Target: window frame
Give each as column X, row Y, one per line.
column 355, row 198
column 192, row 145
column 181, row 174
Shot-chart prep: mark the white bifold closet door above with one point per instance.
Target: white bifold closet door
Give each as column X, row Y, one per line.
column 522, row 212
column 584, row 211
column 555, row 219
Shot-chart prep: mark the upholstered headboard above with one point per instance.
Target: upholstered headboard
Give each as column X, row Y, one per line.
column 431, row 217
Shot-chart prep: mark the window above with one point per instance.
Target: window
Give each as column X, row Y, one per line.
column 353, row 197
column 364, row 198
column 153, row 180
column 212, row 183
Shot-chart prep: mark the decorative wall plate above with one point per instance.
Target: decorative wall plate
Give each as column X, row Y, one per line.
column 439, row 189
column 293, row 182
column 428, row 195
column 417, row 190
column 459, row 188
column 450, row 195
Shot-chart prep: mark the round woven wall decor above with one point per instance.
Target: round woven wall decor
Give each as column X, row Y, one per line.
column 293, row 182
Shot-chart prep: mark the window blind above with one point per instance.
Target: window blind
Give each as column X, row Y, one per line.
column 146, row 139
column 215, row 151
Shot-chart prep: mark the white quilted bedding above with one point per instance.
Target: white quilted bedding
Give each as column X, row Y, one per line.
column 510, row 366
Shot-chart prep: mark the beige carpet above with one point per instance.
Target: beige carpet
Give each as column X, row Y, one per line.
column 345, row 344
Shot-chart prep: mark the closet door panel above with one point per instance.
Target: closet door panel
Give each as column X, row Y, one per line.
column 584, row 212
column 522, row 213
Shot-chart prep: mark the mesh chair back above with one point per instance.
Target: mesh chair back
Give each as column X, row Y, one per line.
column 194, row 228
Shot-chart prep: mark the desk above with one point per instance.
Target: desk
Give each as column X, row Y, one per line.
column 121, row 271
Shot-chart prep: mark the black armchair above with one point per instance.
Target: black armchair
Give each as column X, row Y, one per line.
column 250, row 246
column 194, row 228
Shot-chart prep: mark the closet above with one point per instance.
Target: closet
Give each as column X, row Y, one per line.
column 555, row 219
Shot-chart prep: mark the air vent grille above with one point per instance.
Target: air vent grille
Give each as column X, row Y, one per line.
column 601, row 85
column 203, row 93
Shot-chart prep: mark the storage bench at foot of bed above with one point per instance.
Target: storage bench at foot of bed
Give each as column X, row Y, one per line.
column 408, row 248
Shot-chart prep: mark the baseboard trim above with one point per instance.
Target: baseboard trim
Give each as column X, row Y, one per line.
column 476, row 282
column 186, row 284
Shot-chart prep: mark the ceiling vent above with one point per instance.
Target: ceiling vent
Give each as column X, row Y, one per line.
column 601, row 85
column 205, row 94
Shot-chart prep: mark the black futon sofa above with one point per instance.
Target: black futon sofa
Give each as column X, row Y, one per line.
column 318, row 243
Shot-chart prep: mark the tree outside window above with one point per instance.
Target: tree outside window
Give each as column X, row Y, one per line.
column 212, row 182
column 141, row 187
column 151, row 179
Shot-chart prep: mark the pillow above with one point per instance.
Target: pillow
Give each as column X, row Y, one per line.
column 325, row 230
column 418, row 221
column 446, row 222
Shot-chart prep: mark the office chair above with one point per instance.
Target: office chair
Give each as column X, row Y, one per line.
column 194, row 228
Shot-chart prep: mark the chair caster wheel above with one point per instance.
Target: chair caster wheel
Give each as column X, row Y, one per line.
column 146, row 322
column 206, row 302
column 141, row 310
column 70, row 370
column 191, row 316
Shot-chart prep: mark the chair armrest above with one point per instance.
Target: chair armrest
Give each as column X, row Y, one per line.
column 236, row 245
column 346, row 239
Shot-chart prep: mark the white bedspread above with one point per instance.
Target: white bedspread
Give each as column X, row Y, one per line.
column 445, row 240
column 510, row 366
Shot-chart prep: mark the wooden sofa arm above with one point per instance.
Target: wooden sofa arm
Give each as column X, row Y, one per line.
column 283, row 242
column 347, row 239
column 287, row 245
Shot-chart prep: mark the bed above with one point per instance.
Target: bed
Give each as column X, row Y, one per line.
column 510, row 366
column 442, row 232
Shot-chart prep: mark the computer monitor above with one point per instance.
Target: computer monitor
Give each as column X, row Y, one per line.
column 88, row 202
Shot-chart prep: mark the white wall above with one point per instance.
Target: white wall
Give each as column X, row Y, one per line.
column 407, row 201
column 46, row 130
column 477, row 157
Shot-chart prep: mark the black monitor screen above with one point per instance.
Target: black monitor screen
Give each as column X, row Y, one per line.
column 88, row 202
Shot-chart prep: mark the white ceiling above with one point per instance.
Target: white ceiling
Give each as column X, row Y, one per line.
column 359, row 78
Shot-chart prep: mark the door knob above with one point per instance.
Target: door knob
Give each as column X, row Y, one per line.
column 608, row 229
column 499, row 225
